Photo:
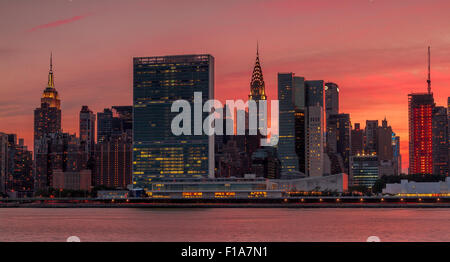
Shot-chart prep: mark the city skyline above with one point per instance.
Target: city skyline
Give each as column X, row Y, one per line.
column 364, row 70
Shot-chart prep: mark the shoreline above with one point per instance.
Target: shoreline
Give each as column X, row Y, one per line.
column 242, row 205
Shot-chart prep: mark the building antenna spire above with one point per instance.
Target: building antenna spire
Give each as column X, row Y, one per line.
column 51, row 61
column 429, row 70
column 257, row 48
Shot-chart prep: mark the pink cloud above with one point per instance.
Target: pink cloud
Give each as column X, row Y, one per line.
column 58, row 22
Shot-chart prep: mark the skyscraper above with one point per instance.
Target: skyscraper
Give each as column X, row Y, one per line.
column 397, row 154
column 87, row 130
column 420, row 111
column 371, row 136
column 440, row 140
column 287, row 90
column 47, row 118
column 257, row 94
column 104, row 125
column 114, row 148
column 385, row 150
column 315, row 127
column 339, row 133
column 357, row 140
column 157, row 152
column 3, row 162
column 257, row 84
column 331, row 99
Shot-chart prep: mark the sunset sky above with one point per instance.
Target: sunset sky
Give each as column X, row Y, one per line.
column 375, row 50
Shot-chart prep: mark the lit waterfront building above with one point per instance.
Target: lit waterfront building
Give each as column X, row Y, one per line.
column 157, row 153
column 364, row 170
column 420, row 111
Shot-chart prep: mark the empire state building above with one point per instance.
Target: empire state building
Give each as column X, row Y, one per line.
column 47, row 117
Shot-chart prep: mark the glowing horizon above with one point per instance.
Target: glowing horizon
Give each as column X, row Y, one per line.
column 376, row 51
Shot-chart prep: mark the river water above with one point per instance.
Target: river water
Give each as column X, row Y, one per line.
column 224, row 224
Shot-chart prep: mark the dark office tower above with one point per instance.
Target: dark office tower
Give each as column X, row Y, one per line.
column 339, row 134
column 384, row 142
column 331, row 99
column 357, row 140
column 420, row 114
column 122, row 120
column 448, row 132
column 300, row 121
column 371, row 136
column 87, row 130
column 385, row 150
column 315, row 127
column 265, row 163
column 397, row 154
column 47, row 118
column 287, row 89
column 157, row 152
column 3, row 161
column 104, row 125
column 440, row 140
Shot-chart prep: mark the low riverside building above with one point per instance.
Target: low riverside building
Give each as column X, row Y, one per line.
column 335, row 183
column 249, row 186
column 113, row 194
column 72, row 180
column 422, row 189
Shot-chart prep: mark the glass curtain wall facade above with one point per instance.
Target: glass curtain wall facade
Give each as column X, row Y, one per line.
column 157, row 152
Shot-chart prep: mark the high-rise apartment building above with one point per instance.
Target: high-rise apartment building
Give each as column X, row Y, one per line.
column 420, row 115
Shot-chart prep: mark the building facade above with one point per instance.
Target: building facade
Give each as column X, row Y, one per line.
column 364, row 170
column 157, row 152
column 87, row 130
column 420, row 115
column 315, row 127
column 440, row 141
